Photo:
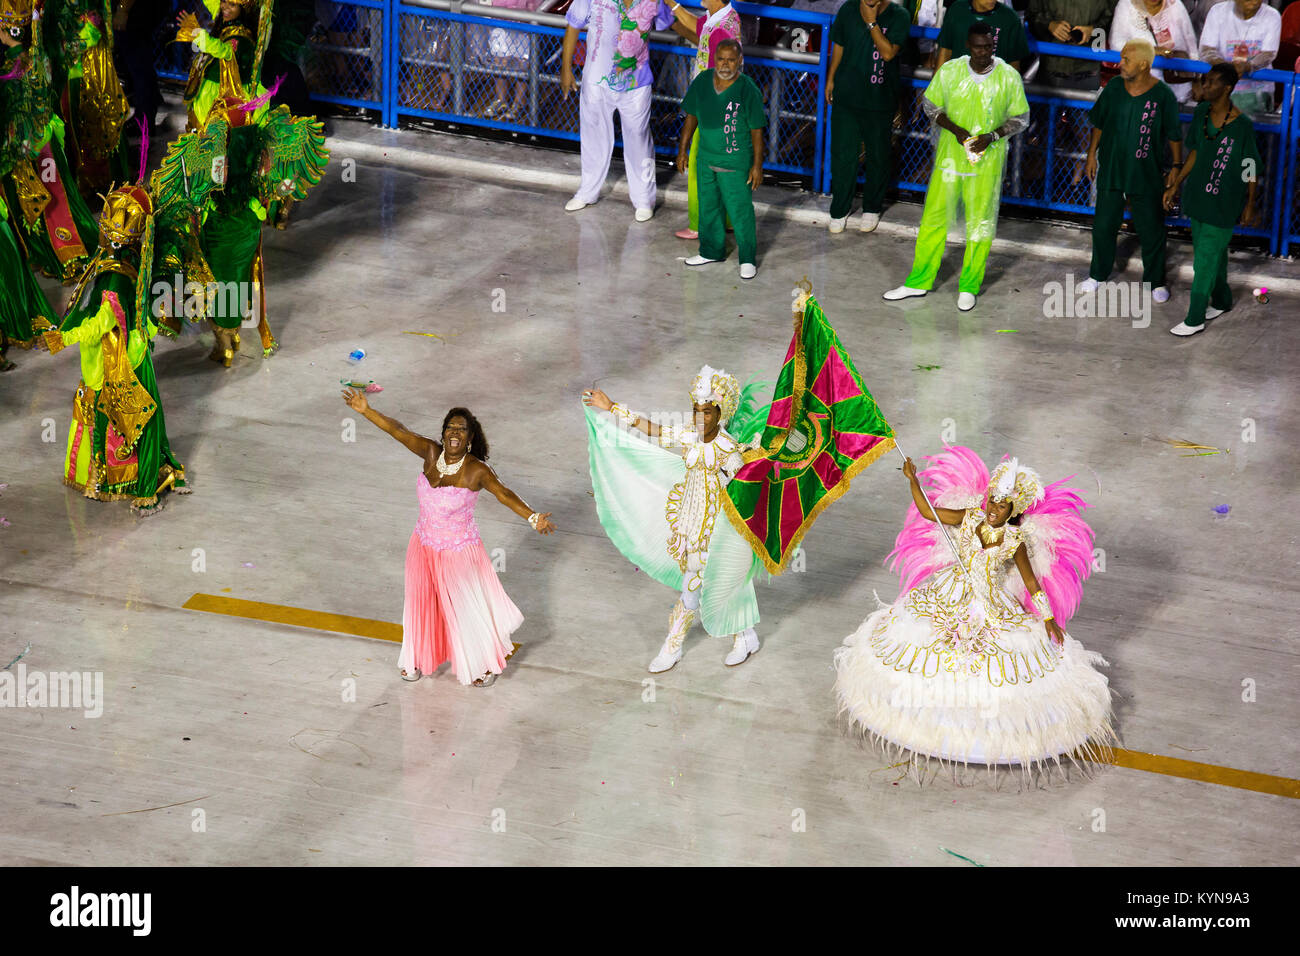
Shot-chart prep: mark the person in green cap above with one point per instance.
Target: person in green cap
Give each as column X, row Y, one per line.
column 978, row 102
column 1132, row 120
column 1009, row 40
column 727, row 108
column 1222, row 165
column 863, row 85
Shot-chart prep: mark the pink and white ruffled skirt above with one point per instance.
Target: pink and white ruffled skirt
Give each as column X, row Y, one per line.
column 455, row 610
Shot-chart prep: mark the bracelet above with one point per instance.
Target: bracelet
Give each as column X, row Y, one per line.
column 533, row 519
column 626, row 415
column 1042, row 606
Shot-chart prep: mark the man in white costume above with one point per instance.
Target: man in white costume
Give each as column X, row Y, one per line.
column 616, row 76
column 695, row 518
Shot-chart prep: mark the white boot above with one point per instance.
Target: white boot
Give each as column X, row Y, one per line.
column 679, row 622
column 745, row 643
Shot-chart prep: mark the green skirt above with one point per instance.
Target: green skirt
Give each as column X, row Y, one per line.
column 21, row 299
column 231, row 244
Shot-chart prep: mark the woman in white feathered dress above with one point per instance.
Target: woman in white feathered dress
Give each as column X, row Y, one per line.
column 971, row 664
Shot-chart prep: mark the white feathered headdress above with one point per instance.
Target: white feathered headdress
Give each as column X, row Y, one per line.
column 716, row 386
column 1012, row 482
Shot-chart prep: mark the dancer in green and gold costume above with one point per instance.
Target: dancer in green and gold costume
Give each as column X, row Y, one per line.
column 117, row 445
column 39, row 189
column 22, row 302
column 88, row 93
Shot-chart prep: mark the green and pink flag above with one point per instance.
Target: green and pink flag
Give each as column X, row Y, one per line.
column 823, row 429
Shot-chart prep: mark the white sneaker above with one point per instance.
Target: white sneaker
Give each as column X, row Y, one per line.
column 902, row 292
column 699, row 260
column 837, row 225
column 746, row 643
column 574, row 204
column 1087, row 285
column 870, row 220
column 644, row 215
column 748, row 270
column 1182, row 328
column 965, row 301
column 1212, row 313
column 1160, row 294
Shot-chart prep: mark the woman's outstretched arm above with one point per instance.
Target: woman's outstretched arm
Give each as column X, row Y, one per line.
column 424, row 447
column 946, row 515
column 492, row 483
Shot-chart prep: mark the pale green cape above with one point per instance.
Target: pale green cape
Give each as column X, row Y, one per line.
column 631, row 479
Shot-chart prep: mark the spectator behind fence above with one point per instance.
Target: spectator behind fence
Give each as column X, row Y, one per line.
column 1168, row 26
column 862, row 86
column 507, row 50
column 1220, row 174
column 1072, row 22
column 1132, row 120
column 722, row 23
column 978, row 102
column 615, row 78
column 727, row 108
column 1009, row 40
column 1246, row 35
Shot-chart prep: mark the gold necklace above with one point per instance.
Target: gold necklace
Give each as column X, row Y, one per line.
column 989, row 535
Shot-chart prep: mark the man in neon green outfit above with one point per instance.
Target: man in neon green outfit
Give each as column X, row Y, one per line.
column 978, row 102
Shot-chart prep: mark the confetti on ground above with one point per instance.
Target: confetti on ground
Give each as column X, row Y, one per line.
column 434, row 335
column 960, row 857
column 248, row 564
column 4, row 522
column 1194, row 450
column 926, row 368
column 1222, row 509
column 26, row 651
column 1008, row 330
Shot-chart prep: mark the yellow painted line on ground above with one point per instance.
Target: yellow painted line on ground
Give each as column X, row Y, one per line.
column 1208, row 773
column 297, row 616
column 388, row 631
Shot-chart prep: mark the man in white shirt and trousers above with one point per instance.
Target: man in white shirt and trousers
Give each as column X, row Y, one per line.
column 615, row 77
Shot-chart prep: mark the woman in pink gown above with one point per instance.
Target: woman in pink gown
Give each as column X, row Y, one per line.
column 455, row 607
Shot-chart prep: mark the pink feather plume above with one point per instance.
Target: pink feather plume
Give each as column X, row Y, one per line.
column 1063, row 542
column 257, row 103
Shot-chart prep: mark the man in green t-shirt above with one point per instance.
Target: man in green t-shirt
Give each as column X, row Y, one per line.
column 1222, row 166
column 1133, row 118
column 863, row 84
column 1009, row 41
column 727, row 109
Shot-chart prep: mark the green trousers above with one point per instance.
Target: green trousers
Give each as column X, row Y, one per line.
column 850, row 130
column 1148, row 219
column 941, row 199
column 1209, row 271
column 726, row 195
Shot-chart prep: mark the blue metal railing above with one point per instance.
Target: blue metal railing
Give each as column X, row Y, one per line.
column 498, row 68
